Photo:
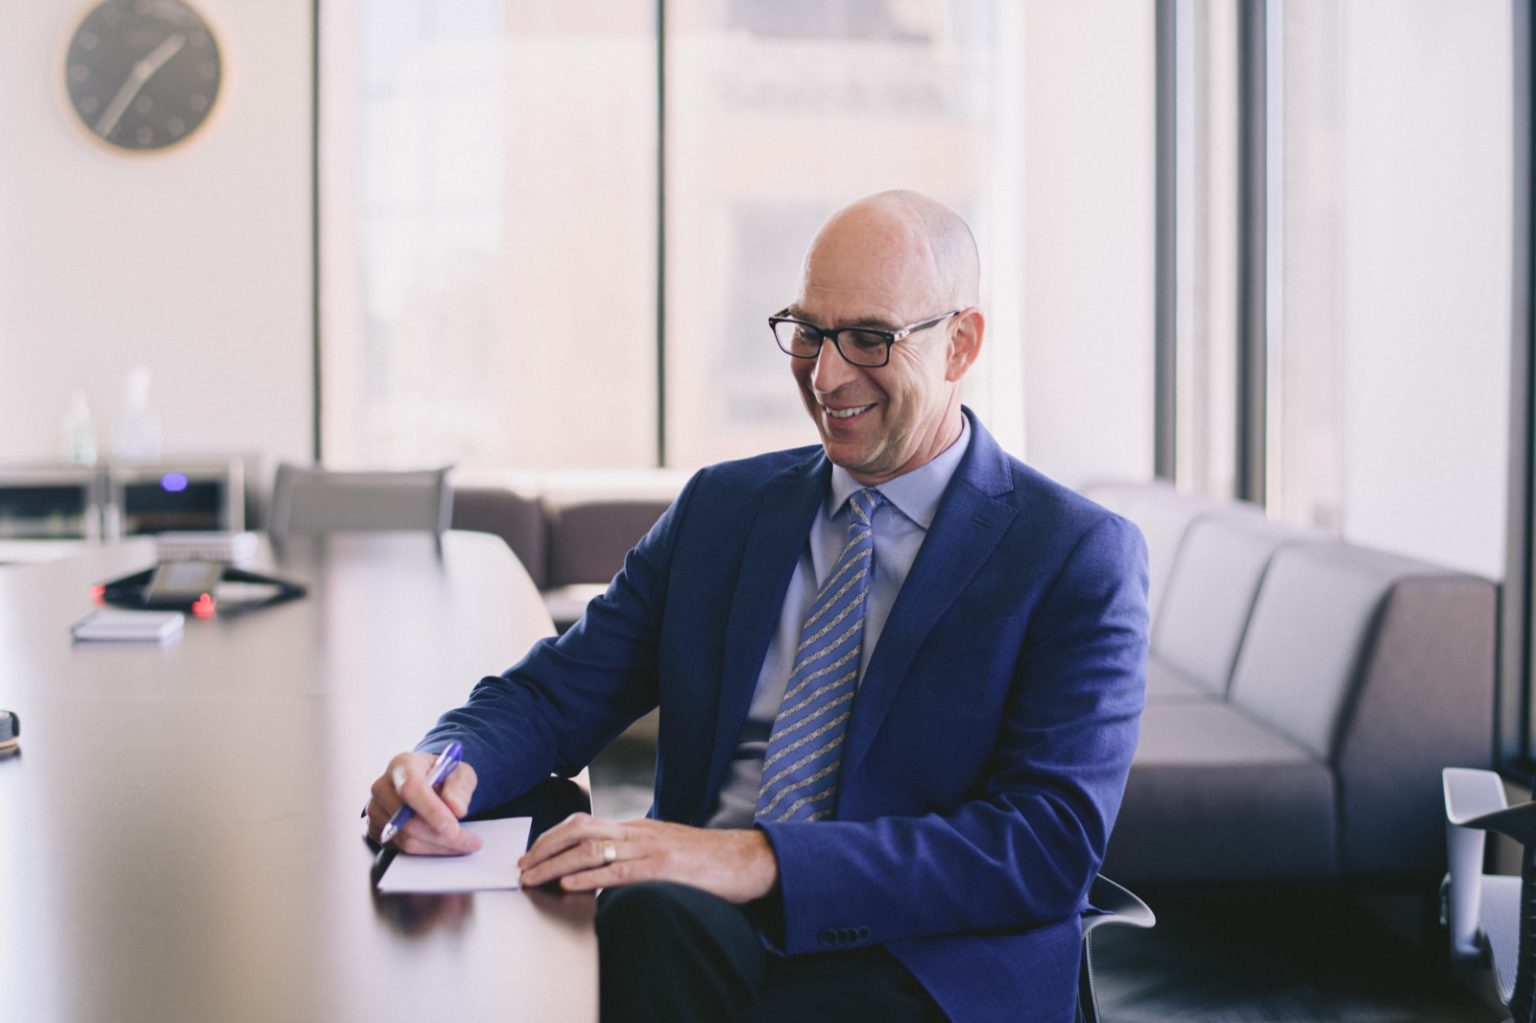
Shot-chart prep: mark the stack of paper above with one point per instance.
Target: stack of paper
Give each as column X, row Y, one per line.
column 129, row 626
column 495, row 866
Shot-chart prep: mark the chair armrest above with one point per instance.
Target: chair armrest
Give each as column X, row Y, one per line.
column 1110, row 903
column 1470, row 795
column 1516, row 822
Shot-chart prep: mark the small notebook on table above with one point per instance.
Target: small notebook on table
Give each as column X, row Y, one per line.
column 494, row 866
column 115, row 626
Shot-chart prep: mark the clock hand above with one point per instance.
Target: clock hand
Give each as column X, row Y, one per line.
column 159, row 55
column 142, row 72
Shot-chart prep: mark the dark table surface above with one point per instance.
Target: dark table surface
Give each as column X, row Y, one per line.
column 179, row 836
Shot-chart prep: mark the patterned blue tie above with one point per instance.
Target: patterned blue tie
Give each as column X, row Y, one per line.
column 806, row 744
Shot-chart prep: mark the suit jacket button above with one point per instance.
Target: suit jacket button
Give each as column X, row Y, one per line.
column 863, row 933
column 828, row 937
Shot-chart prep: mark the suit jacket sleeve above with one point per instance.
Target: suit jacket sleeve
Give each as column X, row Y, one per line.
column 570, row 696
column 1025, row 847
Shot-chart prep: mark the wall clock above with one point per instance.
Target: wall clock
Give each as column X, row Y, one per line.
column 142, row 75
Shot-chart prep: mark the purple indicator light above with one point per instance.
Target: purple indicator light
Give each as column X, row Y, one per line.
column 173, row 482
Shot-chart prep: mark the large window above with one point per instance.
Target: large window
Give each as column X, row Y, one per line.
column 505, row 283
column 1384, row 300
column 488, row 232
column 778, row 113
column 1382, row 230
column 1206, row 233
column 1394, row 335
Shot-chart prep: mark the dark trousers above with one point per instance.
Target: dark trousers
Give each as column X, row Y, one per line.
column 668, row 952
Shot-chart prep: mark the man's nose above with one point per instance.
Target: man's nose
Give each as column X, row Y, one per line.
column 831, row 370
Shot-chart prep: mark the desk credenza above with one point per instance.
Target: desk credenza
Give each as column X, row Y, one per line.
column 179, row 837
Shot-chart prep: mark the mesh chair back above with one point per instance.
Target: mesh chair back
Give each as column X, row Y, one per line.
column 322, row 501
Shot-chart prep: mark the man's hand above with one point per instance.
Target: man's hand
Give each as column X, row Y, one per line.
column 434, row 830
column 584, row 853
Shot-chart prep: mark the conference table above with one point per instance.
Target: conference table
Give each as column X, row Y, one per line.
column 179, row 835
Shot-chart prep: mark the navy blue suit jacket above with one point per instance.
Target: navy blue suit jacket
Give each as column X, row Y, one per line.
column 990, row 738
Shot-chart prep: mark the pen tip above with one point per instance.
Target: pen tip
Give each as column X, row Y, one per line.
column 387, row 834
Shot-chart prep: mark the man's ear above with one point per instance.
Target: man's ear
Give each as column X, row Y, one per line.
column 964, row 342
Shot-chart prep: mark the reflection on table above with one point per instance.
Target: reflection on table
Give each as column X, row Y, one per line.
column 181, row 836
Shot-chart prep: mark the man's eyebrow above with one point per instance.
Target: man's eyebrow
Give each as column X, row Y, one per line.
column 873, row 321
column 859, row 321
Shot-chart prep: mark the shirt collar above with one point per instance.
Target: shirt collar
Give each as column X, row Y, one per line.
column 915, row 494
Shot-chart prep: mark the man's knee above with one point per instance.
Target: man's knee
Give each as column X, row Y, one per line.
column 669, row 952
column 645, row 911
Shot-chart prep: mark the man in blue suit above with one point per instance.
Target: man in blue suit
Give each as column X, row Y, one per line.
column 899, row 674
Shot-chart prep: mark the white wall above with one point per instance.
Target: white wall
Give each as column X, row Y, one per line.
column 1089, row 218
column 194, row 262
column 1425, row 256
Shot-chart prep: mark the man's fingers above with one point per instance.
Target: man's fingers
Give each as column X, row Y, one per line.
column 597, row 863
column 418, row 839
column 627, row 872
column 558, row 839
column 386, row 787
column 458, row 789
column 383, row 801
column 580, row 852
column 404, row 782
column 429, row 806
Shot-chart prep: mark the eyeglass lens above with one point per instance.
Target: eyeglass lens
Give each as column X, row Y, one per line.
column 861, row 347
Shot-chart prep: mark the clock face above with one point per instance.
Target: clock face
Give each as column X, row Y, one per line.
column 142, row 74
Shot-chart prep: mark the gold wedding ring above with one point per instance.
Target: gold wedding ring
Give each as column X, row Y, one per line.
column 610, row 851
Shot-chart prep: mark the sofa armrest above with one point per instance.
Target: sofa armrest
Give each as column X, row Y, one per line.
column 1425, row 699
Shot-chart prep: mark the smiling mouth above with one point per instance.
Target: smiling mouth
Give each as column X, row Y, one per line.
column 845, row 413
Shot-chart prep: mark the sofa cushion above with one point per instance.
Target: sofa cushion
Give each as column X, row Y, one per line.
column 1165, row 682
column 1311, row 627
column 1165, row 516
column 1216, row 795
column 1211, row 591
column 1122, row 496
column 588, row 540
column 517, row 519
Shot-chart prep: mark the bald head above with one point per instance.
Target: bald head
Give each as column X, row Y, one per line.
column 904, row 266
column 902, row 242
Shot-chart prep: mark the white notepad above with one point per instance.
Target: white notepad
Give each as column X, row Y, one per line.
column 129, row 626
column 493, row 867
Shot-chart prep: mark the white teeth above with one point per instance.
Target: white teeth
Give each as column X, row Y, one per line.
column 846, row 413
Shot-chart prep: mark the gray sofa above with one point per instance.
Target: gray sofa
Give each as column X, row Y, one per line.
column 1303, row 694
column 571, row 543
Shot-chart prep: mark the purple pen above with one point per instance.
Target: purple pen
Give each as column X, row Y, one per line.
column 442, row 767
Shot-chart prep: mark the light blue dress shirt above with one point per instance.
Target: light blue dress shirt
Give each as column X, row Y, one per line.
column 901, row 524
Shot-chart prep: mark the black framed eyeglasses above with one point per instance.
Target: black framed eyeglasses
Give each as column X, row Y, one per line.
column 861, row 346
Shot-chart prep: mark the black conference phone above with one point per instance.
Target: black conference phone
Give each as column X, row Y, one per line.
column 185, row 585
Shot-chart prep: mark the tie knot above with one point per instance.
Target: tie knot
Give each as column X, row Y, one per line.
column 864, row 502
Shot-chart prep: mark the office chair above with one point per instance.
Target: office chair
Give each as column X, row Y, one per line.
column 321, row 501
column 1483, row 912
column 1109, row 904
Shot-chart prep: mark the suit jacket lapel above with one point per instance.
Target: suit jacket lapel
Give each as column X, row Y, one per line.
column 966, row 530
column 777, row 538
